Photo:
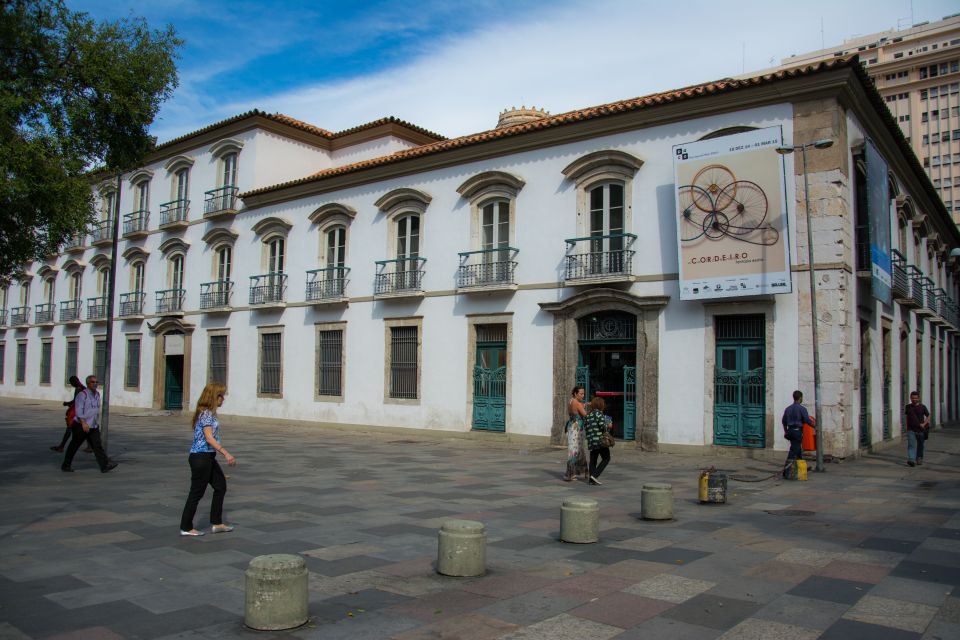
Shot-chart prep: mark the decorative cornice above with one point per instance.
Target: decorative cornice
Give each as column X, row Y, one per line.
column 271, row 225
column 479, row 183
column 221, row 234
column 397, row 199
column 330, row 211
column 174, row 244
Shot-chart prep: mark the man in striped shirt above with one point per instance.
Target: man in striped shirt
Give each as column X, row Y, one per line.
column 87, row 427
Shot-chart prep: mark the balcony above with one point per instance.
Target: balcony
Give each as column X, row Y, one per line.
column 135, row 224
column 97, row 308
column 131, row 304
column 595, row 259
column 216, row 295
column 916, row 287
column 76, row 242
column 220, row 202
column 268, row 290
column 487, row 270
column 901, row 281
column 45, row 313
column 922, row 293
column 173, row 215
column 327, row 285
column 170, row 301
column 70, row 311
column 102, row 233
column 19, row 316
column 3, row 317
column 399, row 278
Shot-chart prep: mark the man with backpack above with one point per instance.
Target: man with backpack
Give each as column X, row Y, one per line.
column 794, row 417
column 71, row 413
column 87, row 427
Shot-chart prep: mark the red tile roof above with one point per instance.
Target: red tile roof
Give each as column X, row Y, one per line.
column 579, row 115
column 302, row 126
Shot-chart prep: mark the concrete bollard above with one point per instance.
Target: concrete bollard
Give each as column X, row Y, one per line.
column 462, row 548
column 656, row 501
column 276, row 587
column 579, row 520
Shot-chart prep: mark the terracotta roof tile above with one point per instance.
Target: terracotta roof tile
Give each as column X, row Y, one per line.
column 579, row 115
column 301, row 125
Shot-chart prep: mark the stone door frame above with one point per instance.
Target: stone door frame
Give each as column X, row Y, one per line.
column 647, row 309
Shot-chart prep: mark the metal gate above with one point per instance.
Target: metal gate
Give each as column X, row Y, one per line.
column 490, row 379
column 740, row 382
column 629, row 403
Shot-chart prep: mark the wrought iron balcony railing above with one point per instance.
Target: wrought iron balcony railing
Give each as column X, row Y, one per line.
column 131, row 304
column 901, row 281
column 70, row 310
column 600, row 257
column 399, row 276
column 102, row 232
column 174, row 212
column 170, row 300
column 97, row 308
column 45, row 313
column 19, row 316
column 75, row 242
column 220, row 201
column 327, row 284
column 487, row 268
column 269, row 288
column 940, row 302
column 3, row 317
column 216, row 294
column 136, row 222
column 929, row 295
column 916, row 285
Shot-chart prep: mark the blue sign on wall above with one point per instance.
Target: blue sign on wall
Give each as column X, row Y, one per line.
column 878, row 216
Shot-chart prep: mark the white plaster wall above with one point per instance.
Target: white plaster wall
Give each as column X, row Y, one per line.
column 383, row 146
column 275, row 159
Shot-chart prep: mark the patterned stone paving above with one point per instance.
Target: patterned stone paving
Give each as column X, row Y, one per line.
column 870, row 549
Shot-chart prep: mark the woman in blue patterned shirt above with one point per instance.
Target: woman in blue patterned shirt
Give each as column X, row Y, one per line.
column 204, row 469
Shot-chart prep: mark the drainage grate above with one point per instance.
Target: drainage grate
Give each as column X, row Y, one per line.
column 800, row 513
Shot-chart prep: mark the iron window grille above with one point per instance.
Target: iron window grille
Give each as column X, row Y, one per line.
column 46, row 354
column 330, row 362
column 70, row 366
column 270, row 363
column 218, row 360
column 132, row 377
column 403, row 362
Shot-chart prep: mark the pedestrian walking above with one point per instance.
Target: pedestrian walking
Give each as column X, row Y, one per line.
column 918, row 427
column 576, row 445
column 87, row 428
column 595, row 425
column 794, row 417
column 204, row 468
column 71, row 413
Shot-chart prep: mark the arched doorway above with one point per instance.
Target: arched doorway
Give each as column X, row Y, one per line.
column 171, row 378
column 607, row 365
column 609, row 306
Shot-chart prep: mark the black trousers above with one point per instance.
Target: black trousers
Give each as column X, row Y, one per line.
column 602, row 452
column 204, row 470
column 795, row 436
column 93, row 437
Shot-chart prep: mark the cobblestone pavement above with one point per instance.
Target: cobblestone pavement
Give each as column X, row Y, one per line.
column 869, row 549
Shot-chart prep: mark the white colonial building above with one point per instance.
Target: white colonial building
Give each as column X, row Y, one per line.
column 386, row 277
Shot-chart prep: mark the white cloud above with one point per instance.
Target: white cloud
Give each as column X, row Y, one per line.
column 581, row 55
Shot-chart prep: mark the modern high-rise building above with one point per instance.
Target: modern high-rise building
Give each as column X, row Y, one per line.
column 917, row 71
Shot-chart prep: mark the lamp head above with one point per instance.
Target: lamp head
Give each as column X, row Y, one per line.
column 823, row 143
column 785, row 151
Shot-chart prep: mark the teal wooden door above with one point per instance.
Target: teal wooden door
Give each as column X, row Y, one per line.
column 739, row 394
column 629, row 403
column 490, row 387
column 173, row 383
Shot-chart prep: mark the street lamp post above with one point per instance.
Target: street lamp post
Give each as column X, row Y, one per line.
column 784, row 150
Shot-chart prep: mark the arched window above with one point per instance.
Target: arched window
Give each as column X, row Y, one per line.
column 138, row 272
column 103, row 280
column 270, row 286
column 175, row 271
column 228, row 170
column 604, row 182
column 76, row 286
column 223, row 263
column 404, row 271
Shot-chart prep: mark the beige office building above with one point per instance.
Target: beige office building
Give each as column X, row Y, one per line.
column 917, row 71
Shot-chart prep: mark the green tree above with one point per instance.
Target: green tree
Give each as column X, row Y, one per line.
column 74, row 94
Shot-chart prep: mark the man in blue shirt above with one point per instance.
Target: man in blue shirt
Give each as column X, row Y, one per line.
column 87, row 427
column 794, row 417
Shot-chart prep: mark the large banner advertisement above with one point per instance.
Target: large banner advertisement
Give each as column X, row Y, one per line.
column 878, row 216
column 732, row 223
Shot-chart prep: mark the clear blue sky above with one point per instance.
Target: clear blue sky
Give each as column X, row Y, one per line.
column 452, row 66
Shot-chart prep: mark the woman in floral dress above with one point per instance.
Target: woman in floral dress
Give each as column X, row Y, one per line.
column 576, row 447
